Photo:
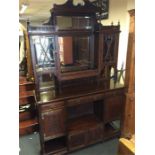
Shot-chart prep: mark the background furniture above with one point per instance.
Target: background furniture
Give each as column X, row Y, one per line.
column 28, row 122
column 127, row 143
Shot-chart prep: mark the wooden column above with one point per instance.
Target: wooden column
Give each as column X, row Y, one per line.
column 127, row 142
column 129, row 113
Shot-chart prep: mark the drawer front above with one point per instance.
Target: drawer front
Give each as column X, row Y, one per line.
column 51, row 106
column 98, row 97
column 94, row 135
column 80, row 100
column 77, row 140
column 113, row 108
column 53, row 123
column 85, row 99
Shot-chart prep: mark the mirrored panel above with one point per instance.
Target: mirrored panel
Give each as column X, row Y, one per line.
column 73, row 22
column 76, row 53
column 46, row 81
column 44, row 47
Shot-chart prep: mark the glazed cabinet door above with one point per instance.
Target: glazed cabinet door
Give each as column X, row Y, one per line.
column 53, row 123
column 113, row 108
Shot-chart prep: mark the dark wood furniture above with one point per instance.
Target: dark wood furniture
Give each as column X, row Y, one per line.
column 78, row 100
column 126, row 145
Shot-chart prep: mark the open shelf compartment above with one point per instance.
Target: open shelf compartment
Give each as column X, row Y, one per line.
column 111, row 129
column 83, row 123
column 57, row 145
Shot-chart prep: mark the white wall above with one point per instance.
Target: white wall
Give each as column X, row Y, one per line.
column 118, row 11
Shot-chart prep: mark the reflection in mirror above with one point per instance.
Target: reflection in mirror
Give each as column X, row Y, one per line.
column 73, row 22
column 44, row 47
column 75, row 53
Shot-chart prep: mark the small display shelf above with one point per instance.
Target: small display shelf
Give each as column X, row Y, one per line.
column 83, row 123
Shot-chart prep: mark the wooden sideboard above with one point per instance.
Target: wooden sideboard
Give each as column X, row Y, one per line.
column 75, row 68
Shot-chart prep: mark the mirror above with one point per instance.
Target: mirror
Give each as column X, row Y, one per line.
column 76, row 53
column 73, row 22
column 46, row 81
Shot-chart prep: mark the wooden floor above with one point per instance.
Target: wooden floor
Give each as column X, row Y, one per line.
column 30, row 145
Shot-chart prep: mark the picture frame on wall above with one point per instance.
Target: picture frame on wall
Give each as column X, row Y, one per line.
column 104, row 6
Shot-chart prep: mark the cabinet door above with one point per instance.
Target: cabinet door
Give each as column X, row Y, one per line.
column 53, row 123
column 94, row 134
column 112, row 108
column 76, row 140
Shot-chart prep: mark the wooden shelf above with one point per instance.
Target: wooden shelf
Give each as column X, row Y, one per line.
column 83, row 123
column 23, row 100
column 28, row 126
column 23, row 80
column 26, row 94
column 23, row 116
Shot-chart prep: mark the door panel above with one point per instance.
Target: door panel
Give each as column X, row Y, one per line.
column 54, row 122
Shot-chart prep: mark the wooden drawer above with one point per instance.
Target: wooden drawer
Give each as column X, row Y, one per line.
column 114, row 93
column 53, row 123
column 113, row 108
column 85, row 99
column 51, row 106
column 98, row 97
column 80, row 100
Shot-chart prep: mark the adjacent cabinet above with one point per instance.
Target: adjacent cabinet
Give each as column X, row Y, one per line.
column 127, row 140
column 74, row 59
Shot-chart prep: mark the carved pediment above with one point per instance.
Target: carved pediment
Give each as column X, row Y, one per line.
column 84, row 7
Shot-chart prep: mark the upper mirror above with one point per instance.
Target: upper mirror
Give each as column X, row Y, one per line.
column 73, row 22
column 76, row 53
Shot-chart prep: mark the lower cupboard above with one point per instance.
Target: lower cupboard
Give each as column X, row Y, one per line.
column 68, row 125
